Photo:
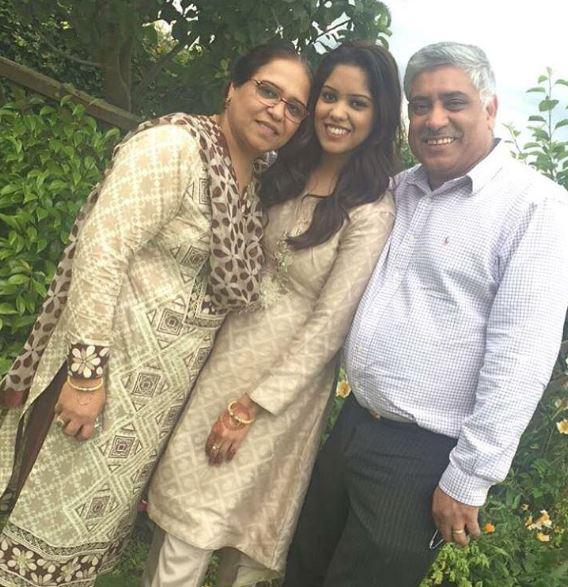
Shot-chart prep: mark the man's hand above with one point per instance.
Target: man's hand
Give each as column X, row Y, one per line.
column 456, row 521
column 227, row 434
column 76, row 411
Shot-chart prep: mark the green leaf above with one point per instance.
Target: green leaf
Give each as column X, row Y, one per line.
column 7, row 309
column 542, row 78
column 9, row 189
column 561, row 124
column 18, row 279
column 536, row 118
column 563, row 82
column 10, row 221
column 547, row 105
column 536, row 89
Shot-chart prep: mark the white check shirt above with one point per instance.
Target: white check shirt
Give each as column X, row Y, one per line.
column 461, row 322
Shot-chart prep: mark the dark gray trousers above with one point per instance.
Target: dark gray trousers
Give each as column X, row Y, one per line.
column 366, row 518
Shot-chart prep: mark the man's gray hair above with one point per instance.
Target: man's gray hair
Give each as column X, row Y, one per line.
column 469, row 58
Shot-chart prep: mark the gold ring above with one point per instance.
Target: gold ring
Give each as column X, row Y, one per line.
column 214, row 447
column 458, row 531
column 60, row 422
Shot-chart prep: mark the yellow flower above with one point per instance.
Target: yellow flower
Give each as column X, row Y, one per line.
column 489, row 528
column 562, row 426
column 525, row 507
column 343, row 389
column 561, row 404
column 543, row 521
column 542, row 537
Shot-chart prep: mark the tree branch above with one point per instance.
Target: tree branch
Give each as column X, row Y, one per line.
column 162, row 61
column 327, row 31
column 72, row 57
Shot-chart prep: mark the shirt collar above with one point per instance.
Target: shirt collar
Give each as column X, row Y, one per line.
column 476, row 178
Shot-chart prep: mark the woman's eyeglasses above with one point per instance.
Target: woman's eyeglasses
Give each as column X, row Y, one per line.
column 270, row 95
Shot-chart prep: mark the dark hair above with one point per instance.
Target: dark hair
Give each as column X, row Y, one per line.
column 245, row 66
column 366, row 175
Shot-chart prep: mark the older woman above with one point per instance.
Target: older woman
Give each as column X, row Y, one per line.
column 165, row 246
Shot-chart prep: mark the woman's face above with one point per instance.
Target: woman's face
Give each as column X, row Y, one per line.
column 344, row 112
column 256, row 126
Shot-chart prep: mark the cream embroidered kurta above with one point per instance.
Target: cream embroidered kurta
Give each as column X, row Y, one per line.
column 139, row 286
column 284, row 357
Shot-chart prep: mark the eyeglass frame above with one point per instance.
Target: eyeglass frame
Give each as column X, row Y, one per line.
column 275, row 102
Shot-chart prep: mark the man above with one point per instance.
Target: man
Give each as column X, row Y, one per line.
column 451, row 347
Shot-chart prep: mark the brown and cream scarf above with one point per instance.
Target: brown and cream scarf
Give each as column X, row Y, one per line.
column 235, row 261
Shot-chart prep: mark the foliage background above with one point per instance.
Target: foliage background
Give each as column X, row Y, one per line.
column 113, row 48
column 52, row 154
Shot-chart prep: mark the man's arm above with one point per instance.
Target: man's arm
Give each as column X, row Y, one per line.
column 522, row 339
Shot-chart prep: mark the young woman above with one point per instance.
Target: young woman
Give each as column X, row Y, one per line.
column 258, row 408
column 166, row 245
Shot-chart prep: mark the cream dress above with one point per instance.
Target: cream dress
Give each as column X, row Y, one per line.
column 140, row 274
column 284, row 357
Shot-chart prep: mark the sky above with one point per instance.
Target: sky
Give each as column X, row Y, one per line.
column 520, row 38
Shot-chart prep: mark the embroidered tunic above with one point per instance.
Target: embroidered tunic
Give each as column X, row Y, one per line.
column 284, row 357
column 141, row 286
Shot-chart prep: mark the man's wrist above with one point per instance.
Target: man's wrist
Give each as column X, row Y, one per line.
column 463, row 487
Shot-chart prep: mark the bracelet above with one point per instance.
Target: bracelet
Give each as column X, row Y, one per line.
column 236, row 418
column 81, row 388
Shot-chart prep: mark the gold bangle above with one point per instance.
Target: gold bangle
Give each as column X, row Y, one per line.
column 236, row 418
column 81, row 388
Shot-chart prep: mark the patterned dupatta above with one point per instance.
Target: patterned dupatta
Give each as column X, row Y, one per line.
column 235, row 256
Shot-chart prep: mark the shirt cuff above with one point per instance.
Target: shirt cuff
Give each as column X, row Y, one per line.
column 464, row 487
column 87, row 360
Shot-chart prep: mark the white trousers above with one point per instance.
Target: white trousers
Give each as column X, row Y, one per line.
column 174, row 563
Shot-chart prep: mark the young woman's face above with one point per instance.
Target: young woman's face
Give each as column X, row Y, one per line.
column 259, row 124
column 344, row 112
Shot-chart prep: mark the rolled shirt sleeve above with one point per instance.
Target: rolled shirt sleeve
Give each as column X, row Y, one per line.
column 523, row 335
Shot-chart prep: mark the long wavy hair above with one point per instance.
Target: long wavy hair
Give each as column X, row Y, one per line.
column 367, row 173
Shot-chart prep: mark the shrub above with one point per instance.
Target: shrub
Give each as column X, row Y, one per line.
column 51, row 157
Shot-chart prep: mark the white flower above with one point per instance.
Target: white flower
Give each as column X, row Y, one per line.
column 69, row 569
column 85, row 361
column 41, row 579
column 23, row 560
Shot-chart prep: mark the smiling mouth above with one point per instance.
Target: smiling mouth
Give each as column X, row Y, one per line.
column 267, row 126
column 337, row 131
column 440, row 141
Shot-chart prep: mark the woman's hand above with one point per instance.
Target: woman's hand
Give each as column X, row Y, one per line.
column 228, row 433
column 76, row 411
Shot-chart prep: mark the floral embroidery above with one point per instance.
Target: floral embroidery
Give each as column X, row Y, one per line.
column 37, row 563
column 275, row 281
column 87, row 361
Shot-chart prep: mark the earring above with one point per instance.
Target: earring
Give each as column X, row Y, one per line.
column 227, row 102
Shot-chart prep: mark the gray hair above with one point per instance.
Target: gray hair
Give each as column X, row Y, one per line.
column 469, row 58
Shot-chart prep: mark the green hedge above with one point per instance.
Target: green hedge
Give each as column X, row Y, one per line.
column 52, row 155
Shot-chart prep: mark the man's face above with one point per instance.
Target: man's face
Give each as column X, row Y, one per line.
column 450, row 130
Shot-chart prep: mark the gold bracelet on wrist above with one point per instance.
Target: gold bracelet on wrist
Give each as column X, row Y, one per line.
column 237, row 418
column 84, row 388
